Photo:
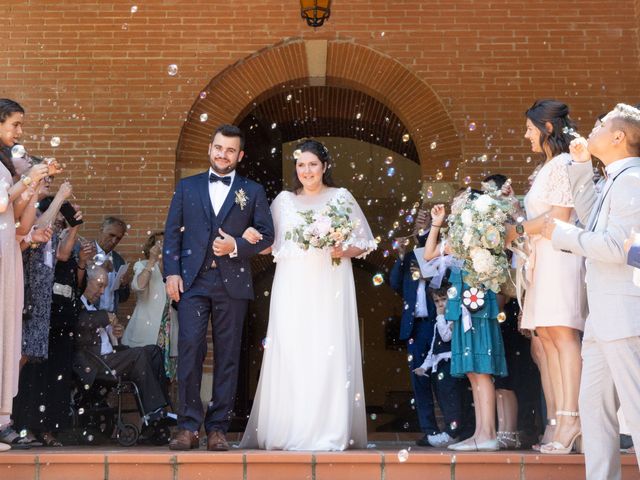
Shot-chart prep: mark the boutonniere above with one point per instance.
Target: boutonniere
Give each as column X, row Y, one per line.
column 241, row 198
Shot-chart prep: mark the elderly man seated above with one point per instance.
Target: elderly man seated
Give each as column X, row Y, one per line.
column 97, row 333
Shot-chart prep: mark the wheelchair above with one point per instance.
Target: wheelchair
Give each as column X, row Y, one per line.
column 94, row 413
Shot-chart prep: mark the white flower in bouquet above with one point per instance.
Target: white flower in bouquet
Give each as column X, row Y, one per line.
column 482, row 260
column 467, row 217
column 467, row 238
column 320, row 227
column 483, row 204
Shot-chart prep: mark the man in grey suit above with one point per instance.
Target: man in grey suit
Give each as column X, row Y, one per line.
column 611, row 346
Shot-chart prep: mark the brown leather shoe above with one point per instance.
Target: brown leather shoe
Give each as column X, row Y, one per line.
column 184, row 440
column 216, row 442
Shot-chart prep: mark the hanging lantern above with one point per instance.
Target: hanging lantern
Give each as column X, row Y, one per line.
column 315, row 12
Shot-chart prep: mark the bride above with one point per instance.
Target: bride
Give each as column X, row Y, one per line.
column 310, row 394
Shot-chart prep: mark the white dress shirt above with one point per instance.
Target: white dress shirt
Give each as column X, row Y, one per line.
column 107, row 298
column 218, row 191
column 105, row 343
column 421, row 310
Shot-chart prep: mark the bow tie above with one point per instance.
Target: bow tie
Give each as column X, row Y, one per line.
column 215, row 178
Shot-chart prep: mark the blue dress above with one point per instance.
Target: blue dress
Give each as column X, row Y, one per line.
column 480, row 349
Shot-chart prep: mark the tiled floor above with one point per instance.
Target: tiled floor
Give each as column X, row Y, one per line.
column 381, row 462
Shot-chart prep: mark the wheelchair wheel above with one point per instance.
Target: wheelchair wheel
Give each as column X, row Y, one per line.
column 127, row 435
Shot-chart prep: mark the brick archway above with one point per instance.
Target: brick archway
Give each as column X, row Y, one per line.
column 236, row 90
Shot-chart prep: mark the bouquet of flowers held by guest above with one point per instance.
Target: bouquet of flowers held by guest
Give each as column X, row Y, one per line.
column 328, row 228
column 476, row 235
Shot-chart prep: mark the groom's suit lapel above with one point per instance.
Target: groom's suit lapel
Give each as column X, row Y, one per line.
column 605, row 198
column 238, row 182
column 203, row 190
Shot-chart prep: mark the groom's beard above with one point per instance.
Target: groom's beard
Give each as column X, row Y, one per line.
column 223, row 171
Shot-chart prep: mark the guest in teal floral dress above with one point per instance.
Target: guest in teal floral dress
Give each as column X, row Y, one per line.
column 480, row 348
column 477, row 350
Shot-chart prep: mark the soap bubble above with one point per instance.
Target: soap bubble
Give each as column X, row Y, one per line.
column 18, row 151
column 204, row 117
column 378, row 279
column 55, row 142
column 403, row 455
column 99, row 259
column 172, row 70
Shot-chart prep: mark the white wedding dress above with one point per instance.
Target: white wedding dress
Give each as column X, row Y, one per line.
column 310, row 394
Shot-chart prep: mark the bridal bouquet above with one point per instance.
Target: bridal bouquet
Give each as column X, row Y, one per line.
column 331, row 227
column 476, row 236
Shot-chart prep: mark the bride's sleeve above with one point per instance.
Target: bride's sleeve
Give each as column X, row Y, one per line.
column 362, row 237
column 276, row 213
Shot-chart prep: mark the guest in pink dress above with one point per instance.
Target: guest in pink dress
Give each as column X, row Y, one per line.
column 555, row 301
column 11, row 279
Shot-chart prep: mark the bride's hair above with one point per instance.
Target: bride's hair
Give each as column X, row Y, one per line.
column 320, row 151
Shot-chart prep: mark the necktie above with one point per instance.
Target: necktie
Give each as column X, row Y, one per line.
column 215, row 178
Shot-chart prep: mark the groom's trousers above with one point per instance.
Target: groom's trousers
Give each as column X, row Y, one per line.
column 208, row 298
column 610, row 379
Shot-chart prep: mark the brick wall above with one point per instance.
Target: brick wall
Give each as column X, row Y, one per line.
column 95, row 74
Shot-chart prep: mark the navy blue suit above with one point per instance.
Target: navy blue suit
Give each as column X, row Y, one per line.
column 221, row 291
column 419, row 332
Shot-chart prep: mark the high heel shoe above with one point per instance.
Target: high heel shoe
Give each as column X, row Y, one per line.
column 557, row 448
column 551, row 422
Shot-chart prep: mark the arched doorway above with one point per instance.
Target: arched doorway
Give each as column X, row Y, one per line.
column 386, row 131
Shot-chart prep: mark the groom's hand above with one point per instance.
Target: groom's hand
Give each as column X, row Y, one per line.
column 224, row 244
column 174, row 287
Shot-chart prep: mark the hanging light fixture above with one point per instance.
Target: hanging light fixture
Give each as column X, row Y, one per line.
column 315, row 12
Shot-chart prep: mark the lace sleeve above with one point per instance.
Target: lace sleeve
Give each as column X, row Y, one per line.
column 362, row 237
column 556, row 190
column 276, row 212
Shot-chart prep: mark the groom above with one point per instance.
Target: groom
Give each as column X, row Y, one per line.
column 611, row 346
column 207, row 265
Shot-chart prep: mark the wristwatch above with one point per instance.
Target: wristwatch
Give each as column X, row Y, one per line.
column 520, row 226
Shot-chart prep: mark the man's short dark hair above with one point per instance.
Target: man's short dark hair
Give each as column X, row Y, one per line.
column 442, row 291
column 230, row 131
column 113, row 221
column 627, row 119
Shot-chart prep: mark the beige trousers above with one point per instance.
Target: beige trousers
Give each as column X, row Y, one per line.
column 610, row 379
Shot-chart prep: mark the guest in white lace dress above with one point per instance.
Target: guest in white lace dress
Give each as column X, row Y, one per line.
column 555, row 302
column 311, row 395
